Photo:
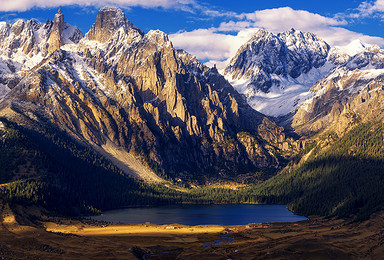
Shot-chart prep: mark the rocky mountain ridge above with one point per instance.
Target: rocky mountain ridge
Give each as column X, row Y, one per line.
column 276, row 72
column 26, row 43
column 130, row 94
column 347, row 96
column 351, row 93
column 291, row 53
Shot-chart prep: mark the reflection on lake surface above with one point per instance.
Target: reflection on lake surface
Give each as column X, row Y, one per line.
column 234, row 214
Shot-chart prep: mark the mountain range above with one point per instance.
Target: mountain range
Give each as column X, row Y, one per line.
column 306, row 83
column 129, row 102
column 134, row 98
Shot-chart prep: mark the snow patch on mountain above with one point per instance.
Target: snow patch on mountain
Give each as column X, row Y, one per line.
column 372, row 73
column 71, row 34
column 340, row 77
column 281, row 98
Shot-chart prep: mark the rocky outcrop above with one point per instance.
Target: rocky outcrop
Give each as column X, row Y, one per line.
column 56, row 39
column 108, row 21
column 25, row 44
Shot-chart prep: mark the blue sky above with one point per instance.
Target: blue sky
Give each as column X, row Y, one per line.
column 213, row 30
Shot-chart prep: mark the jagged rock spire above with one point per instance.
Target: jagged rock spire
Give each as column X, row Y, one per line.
column 56, row 39
column 109, row 19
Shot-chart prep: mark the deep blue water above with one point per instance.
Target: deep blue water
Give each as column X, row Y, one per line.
column 235, row 214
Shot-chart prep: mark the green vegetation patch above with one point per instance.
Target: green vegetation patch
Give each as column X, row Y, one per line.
column 346, row 179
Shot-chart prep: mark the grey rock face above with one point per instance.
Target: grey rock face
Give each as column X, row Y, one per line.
column 291, row 53
column 108, row 21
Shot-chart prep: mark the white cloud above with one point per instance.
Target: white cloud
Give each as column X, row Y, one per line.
column 217, row 46
column 337, row 36
column 211, row 45
column 281, row 19
column 23, row 5
column 369, row 8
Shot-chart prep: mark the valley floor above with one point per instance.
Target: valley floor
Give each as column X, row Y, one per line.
column 41, row 237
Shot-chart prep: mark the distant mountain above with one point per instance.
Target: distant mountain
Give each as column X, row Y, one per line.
column 135, row 99
column 279, row 73
column 349, row 94
column 273, row 71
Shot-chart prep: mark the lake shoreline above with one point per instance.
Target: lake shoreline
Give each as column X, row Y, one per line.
column 176, row 204
column 201, row 214
column 49, row 237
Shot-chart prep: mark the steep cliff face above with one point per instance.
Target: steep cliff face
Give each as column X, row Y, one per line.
column 56, row 39
column 133, row 91
column 108, row 21
column 28, row 42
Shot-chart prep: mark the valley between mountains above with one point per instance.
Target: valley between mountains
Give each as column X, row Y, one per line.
column 119, row 117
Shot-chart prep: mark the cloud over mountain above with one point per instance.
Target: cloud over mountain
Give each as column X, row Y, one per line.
column 230, row 35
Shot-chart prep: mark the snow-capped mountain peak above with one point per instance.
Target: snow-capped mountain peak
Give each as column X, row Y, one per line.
column 276, row 72
column 118, row 86
column 278, row 68
column 353, row 48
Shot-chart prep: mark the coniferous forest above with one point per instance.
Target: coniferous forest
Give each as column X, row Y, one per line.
column 341, row 180
column 49, row 169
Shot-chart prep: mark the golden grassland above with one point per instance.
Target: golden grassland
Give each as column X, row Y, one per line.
column 26, row 233
column 132, row 230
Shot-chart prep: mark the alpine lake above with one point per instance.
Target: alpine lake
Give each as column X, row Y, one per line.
column 232, row 214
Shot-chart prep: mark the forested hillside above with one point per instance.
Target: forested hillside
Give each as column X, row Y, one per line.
column 343, row 179
column 49, row 169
